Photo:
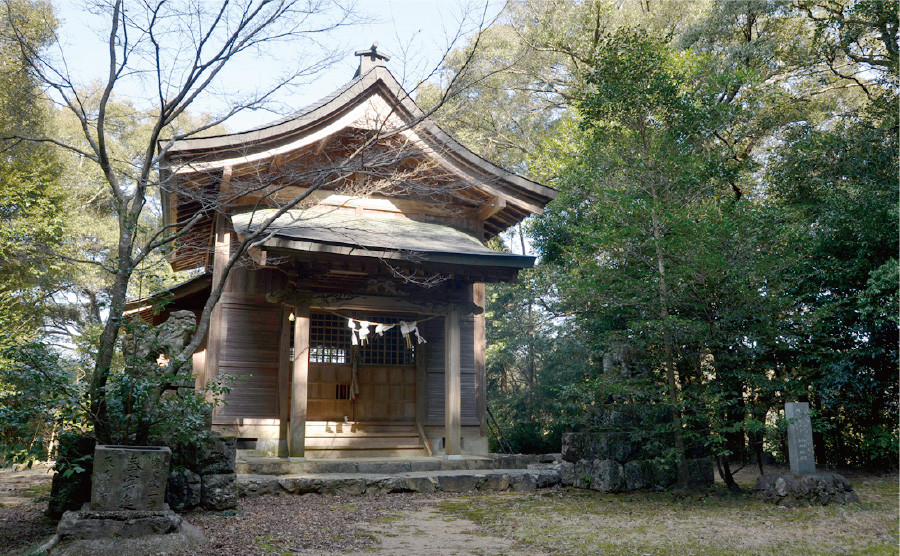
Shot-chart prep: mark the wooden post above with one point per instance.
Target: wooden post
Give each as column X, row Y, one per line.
column 299, row 378
column 421, row 383
column 217, row 329
column 452, row 383
column 480, row 344
column 284, row 381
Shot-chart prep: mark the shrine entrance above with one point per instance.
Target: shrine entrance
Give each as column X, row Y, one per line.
column 364, row 373
column 361, row 389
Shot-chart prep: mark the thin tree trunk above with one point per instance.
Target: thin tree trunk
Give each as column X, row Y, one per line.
column 683, row 474
column 727, row 476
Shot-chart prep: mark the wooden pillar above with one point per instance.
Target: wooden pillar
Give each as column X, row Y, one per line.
column 452, row 383
column 217, row 329
column 421, row 383
column 284, row 381
column 480, row 344
column 299, row 378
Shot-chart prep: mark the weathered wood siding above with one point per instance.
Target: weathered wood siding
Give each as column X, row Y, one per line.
column 244, row 338
column 386, row 393
column 433, row 331
column 249, row 349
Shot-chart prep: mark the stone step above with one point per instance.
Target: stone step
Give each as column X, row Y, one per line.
column 247, row 464
column 493, row 480
column 390, row 451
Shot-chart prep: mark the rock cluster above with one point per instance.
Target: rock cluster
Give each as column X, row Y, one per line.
column 790, row 491
column 624, row 453
column 204, row 475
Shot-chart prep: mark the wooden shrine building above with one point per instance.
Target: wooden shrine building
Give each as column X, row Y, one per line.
column 355, row 325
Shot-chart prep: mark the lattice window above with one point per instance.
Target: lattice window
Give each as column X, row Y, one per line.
column 390, row 349
column 329, row 341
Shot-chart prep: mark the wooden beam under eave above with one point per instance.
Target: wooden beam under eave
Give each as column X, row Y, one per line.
column 225, row 189
column 491, row 208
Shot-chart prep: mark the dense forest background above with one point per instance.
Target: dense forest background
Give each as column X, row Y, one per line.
column 725, row 238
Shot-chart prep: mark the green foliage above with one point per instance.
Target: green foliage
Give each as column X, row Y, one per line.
column 153, row 400
column 31, row 204
column 40, row 397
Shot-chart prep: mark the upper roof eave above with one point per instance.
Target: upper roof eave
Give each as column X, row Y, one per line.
column 329, row 105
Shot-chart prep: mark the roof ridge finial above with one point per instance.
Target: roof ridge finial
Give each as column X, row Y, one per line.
column 369, row 59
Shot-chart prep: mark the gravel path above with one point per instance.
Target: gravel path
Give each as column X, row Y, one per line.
column 23, row 499
column 328, row 524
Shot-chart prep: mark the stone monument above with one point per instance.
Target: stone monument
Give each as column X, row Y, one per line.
column 800, row 438
column 803, row 486
column 128, row 489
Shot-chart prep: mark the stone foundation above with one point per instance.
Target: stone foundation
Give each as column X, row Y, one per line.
column 790, row 491
column 90, row 524
column 204, row 476
column 622, row 456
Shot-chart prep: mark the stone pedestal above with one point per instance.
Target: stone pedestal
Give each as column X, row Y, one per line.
column 790, row 491
column 127, row 499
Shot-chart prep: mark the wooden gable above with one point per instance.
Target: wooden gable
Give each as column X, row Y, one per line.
column 365, row 149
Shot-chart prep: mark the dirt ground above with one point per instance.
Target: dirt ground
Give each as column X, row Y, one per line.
column 558, row 521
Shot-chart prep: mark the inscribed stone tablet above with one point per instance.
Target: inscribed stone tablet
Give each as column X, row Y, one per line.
column 800, row 438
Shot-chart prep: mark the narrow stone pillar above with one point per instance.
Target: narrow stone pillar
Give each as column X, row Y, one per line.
column 299, row 379
column 800, row 438
column 452, row 383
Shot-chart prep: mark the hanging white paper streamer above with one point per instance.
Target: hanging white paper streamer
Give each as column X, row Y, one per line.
column 363, row 331
column 351, row 324
column 407, row 328
column 380, row 329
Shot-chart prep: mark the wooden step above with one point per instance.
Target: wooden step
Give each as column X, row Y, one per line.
column 338, row 453
column 364, row 442
column 332, row 427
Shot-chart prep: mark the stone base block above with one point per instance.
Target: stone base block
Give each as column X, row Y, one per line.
column 88, row 524
column 187, row 538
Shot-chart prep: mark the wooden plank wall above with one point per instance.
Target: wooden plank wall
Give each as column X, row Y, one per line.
column 433, row 330
column 386, row 393
column 248, row 339
column 248, row 351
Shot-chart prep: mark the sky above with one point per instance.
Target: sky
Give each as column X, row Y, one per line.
column 415, row 33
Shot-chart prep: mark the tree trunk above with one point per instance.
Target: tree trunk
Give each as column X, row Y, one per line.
column 725, row 473
column 683, row 474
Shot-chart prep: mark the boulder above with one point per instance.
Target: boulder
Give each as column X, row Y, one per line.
column 524, row 482
column 607, row 476
column 216, row 456
column 664, row 474
column 618, row 446
column 494, row 482
column 183, row 490
column 218, row 492
column 458, row 483
column 637, row 474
